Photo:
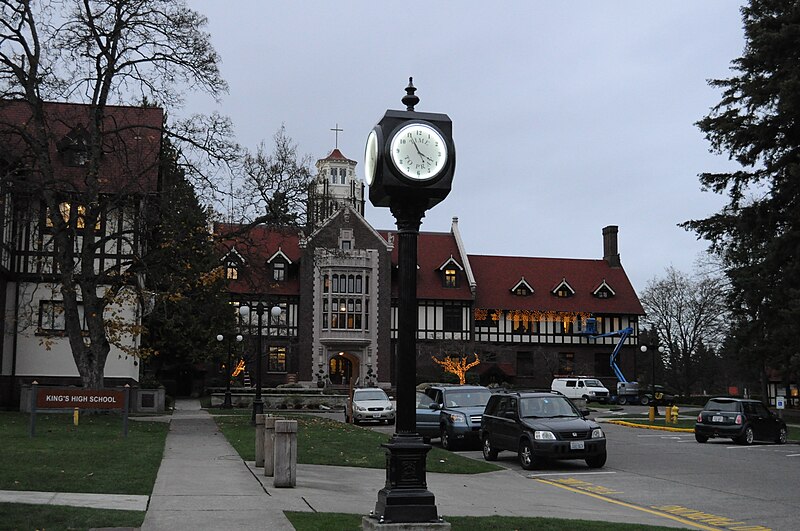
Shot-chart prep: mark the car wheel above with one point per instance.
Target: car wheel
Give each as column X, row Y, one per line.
column 526, row 459
column 644, row 400
column 622, row 400
column 781, row 439
column 390, row 422
column 700, row 438
column 597, row 461
column 447, row 442
column 747, row 436
column 489, row 453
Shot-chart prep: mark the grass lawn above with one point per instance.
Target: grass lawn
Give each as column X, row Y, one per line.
column 57, row 518
column 91, row 457
column 322, row 441
column 347, row 522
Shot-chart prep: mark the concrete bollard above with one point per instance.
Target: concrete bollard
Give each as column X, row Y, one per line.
column 269, row 445
column 260, row 439
column 285, row 453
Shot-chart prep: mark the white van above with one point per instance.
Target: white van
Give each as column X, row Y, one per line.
column 586, row 387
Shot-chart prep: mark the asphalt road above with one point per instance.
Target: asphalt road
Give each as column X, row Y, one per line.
column 718, row 485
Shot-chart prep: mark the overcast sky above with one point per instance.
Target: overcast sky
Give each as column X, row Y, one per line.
column 567, row 116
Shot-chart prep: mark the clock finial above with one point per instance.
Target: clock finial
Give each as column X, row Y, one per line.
column 410, row 99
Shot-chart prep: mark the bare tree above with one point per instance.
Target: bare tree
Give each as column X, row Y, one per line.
column 688, row 314
column 99, row 54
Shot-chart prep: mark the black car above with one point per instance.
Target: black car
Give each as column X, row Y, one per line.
column 540, row 425
column 739, row 419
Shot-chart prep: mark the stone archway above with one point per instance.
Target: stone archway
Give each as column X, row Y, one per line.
column 343, row 369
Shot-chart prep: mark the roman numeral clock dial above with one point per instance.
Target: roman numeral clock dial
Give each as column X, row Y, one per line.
column 418, row 151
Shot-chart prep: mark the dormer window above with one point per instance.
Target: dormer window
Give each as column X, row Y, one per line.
column 346, row 239
column 449, row 271
column 232, row 271
column 74, row 147
column 232, row 261
column 563, row 290
column 522, row 288
column 278, row 271
column 603, row 291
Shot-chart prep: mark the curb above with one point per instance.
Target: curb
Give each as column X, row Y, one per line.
column 646, row 427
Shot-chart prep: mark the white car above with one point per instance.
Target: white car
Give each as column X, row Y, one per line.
column 370, row 403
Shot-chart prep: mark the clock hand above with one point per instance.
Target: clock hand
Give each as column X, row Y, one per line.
column 417, row 148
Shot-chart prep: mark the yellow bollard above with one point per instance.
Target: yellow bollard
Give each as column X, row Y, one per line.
column 652, row 413
column 75, row 416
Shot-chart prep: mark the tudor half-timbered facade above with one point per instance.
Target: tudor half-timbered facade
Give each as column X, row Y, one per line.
column 34, row 343
column 523, row 317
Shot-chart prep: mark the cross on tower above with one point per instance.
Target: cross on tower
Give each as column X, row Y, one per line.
column 336, row 131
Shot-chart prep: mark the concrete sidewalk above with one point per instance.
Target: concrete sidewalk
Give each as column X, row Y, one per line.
column 204, row 484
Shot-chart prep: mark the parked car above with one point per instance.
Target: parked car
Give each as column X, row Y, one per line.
column 739, row 419
column 590, row 389
column 455, row 414
column 369, row 403
column 540, row 425
column 660, row 397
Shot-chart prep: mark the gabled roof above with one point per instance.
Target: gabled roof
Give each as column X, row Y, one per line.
column 449, row 261
column 522, row 282
column 433, row 249
column 131, row 143
column 279, row 254
column 257, row 247
column 562, row 284
column 494, row 274
column 604, row 286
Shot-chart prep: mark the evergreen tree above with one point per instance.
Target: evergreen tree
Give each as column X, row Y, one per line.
column 191, row 304
column 757, row 234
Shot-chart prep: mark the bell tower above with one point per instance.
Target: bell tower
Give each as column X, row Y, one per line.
column 335, row 185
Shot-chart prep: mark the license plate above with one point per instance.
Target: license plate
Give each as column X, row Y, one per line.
column 717, row 418
column 576, row 445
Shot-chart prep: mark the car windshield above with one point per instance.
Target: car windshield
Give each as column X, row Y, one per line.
column 475, row 398
column 546, row 407
column 371, row 394
column 592, row 383
column 423, row 400
column 722, row 405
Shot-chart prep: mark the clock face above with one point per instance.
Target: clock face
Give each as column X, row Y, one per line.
column 419, row 151
column 371, row 157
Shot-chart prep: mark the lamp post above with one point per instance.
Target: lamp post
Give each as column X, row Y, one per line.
column 258, row 404
column 227, row 404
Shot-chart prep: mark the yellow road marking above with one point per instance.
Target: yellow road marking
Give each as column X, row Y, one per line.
column 578, row 487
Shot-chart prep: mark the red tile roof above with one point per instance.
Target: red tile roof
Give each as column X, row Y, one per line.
column 131, row 146
column 256, row 247
column 496, row 275
column 433, row 250
column 337, row 155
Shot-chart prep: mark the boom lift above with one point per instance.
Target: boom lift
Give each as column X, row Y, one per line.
column 626, row 391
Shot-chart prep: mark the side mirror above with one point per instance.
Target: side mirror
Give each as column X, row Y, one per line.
column 585, row 412
column 434, row 406
column 510, row 414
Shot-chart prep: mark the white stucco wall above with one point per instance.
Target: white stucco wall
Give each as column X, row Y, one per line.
column 39, row 355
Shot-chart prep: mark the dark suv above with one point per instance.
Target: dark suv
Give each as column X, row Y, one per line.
column 540, row 425
column 454, row 414
column 740, row 419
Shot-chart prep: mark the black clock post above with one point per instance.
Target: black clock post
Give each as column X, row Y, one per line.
column 409, row 182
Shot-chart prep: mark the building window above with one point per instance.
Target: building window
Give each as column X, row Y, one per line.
column 450, row 278
column 232, row 271
column 276, row 360
column 346, row 245
column 522, row 291
column 65, row 209
column 51, row 317
column 563, row 293
column 452, row 319
column 279, row 271
column 345, row 306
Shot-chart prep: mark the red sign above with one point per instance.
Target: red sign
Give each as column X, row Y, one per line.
column 60, row 398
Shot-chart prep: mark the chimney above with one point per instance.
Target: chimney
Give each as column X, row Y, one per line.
column 610, row 250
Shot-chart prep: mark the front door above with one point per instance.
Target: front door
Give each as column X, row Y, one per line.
column 340, row 370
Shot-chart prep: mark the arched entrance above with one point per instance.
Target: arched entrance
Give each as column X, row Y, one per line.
column 343, row 369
